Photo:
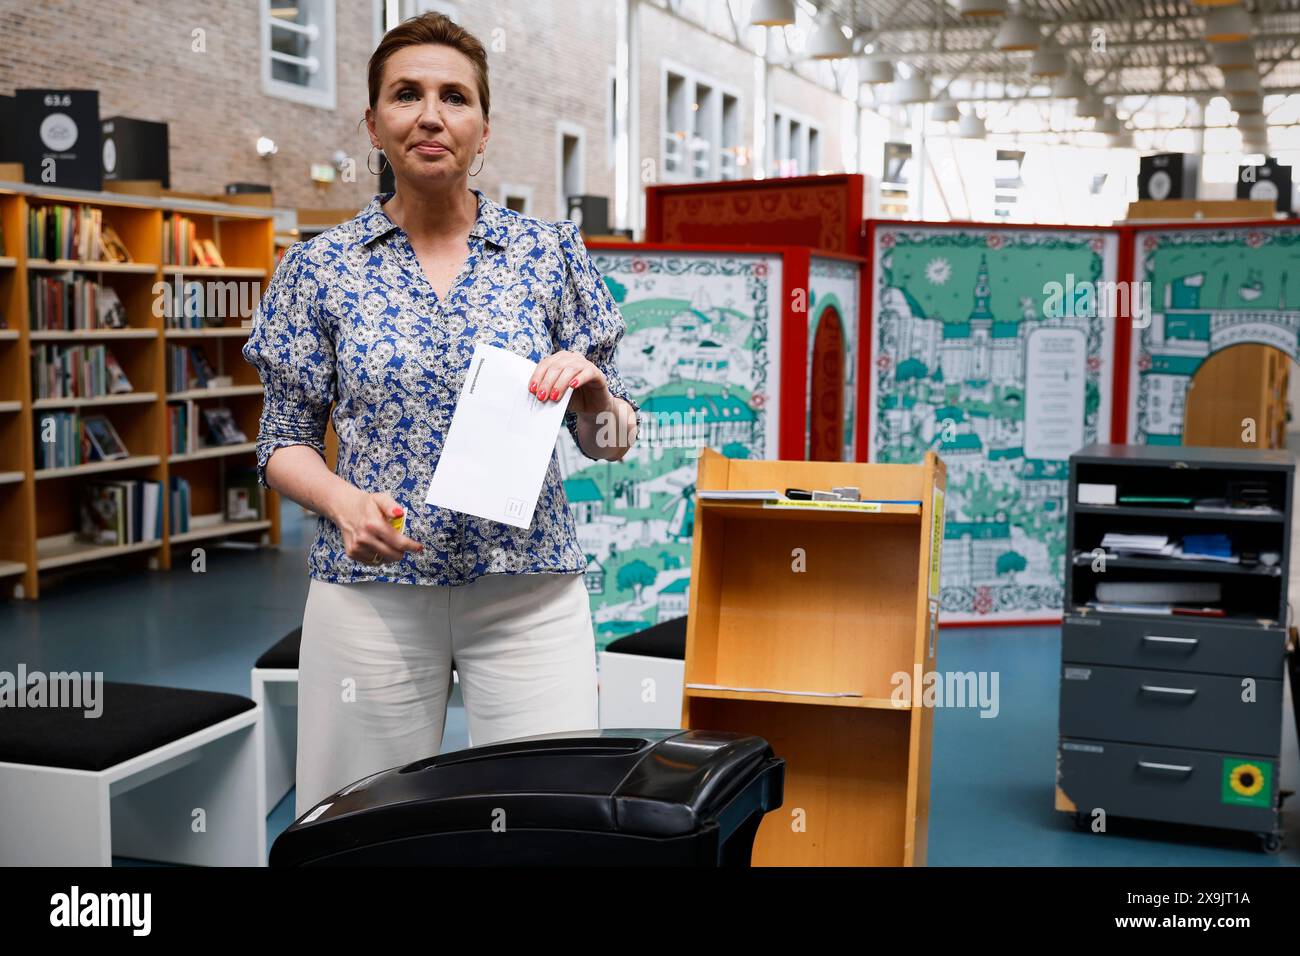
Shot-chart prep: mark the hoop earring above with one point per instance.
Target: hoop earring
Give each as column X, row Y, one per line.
column 480, row 165
column 382, row 159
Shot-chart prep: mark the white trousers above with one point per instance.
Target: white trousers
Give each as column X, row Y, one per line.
column 374, row 671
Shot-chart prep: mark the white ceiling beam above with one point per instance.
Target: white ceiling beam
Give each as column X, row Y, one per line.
column 1197, row 93
column 980, row 30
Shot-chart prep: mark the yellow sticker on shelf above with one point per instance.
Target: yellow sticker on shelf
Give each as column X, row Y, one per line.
column 870, row 506
column 936, row 540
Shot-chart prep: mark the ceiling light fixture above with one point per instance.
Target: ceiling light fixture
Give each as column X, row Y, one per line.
column 772, row 13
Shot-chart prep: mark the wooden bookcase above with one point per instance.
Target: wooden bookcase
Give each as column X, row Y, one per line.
column 39, row 508
column 862, row 609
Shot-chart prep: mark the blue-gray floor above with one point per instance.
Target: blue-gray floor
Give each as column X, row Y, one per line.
column 991, row 800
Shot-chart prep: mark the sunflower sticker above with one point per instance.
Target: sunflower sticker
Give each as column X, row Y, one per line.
column 1247, row 782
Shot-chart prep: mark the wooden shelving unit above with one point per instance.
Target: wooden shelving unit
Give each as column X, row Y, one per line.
column 126, row 398
column 765, row 639
column 227, row 391
column 39, row 509
column 93, row 335
column 229, row 332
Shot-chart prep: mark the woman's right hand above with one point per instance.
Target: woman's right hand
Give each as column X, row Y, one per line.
column 363, row 518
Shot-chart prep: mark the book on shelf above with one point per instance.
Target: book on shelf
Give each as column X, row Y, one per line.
column 221, row 427
column 188, row 368
column 204, row 253
column 186, row 306
column 109, row 310
column 212, row 254
column 72, row 232
column 118, row 383
column 181, row 245
column 182, row 427
column 179, row 504
column 245, row 496
column 69, row 302
column 111, row 247
column 61, row 442
column 77, row 371
column 105, row 443
column 121, row 512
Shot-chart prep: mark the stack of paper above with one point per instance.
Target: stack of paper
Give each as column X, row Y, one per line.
column 1152, row 545
column 739, row 495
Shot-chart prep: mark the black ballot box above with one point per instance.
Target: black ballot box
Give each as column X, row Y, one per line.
column 135, row 149
column 59, row 137
column 1168, row 176
column 9, row 148
column 1271, row 182
column 589, row 798
column 591, row 213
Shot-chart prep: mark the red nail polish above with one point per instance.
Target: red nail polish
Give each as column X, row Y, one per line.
column 573, row 384
column 555, row 394
column 532, row 386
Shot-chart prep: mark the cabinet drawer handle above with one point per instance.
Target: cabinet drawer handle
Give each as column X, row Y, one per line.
column 1158, row 639
column 1164, row 767
column 1187, row 692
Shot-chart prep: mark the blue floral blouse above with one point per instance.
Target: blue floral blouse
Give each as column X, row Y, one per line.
column 350, row 320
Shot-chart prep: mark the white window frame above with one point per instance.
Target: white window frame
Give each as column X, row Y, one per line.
column 523, row 192
column 411, row 8
column 322, row 95
column 611, row 121
column 780, row 148
column 565, row 128
column 694, row 78
column 449, row 10
column 723, row 147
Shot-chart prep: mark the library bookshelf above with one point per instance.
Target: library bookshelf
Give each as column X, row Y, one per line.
column 40, row 507
column 788, row 604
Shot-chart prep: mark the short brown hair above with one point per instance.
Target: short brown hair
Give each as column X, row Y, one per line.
column 429, row 28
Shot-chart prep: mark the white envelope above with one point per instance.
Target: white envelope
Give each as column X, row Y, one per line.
column 500, row 442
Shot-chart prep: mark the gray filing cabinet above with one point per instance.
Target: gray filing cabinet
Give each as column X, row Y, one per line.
column 1173, row 716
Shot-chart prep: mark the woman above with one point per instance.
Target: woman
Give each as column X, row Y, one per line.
column 378, row 317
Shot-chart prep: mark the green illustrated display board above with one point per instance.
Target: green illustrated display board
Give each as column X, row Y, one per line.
column 1211, row 288
column 984, row 349
column 699, row 357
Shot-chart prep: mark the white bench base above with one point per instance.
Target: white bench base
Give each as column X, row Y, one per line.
column 144, row 807
column 275, row 690
column 622, row 689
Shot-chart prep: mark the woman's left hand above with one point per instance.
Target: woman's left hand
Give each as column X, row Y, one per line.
column 564, row 370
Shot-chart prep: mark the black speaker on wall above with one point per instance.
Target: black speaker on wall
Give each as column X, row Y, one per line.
column 135, row 149
column 9, row 149
column 1270, row 181
column 591, row 213
column 59, row 137
column 1168, row 176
